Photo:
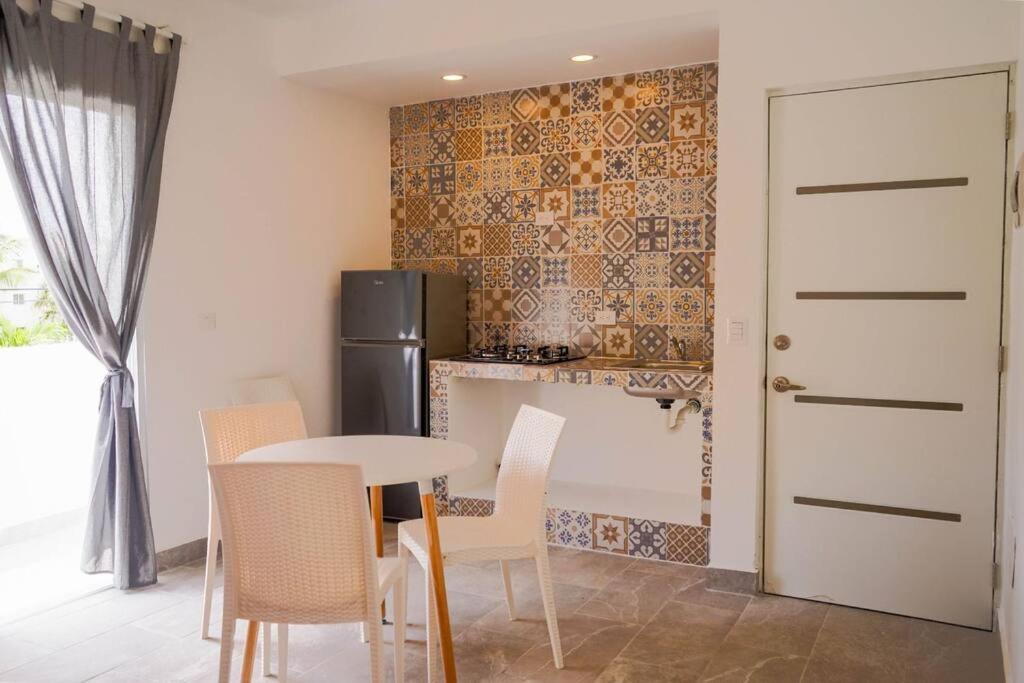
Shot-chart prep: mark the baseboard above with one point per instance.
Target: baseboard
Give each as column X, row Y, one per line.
column 731, row 581
column 181, row 554
column 1005, row 647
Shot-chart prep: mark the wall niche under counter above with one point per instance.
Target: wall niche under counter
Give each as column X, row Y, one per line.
column 621, row 481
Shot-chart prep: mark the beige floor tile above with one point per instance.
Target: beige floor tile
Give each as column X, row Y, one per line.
column 780, row 625
column 631, row 671
column 530, row 622
column 101, row 617
column 186, row 659
column 736, row 663
column 90, row 657
column 940, row 652
column 635, row 596
column 15, row 652
column 589, row 644
column 857, row 645
column 481, row 655
column 585, row 568
column 682, row 635
column 698, row 594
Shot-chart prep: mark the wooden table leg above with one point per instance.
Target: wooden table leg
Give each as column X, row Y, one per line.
column 440, row 592
column 249, row 655
column 377, row 512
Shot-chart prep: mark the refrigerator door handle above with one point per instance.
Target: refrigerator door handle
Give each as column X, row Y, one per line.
column 416, row 343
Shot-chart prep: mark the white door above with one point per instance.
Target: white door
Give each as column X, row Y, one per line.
column 885, row 274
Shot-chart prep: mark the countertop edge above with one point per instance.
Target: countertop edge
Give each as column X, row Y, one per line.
column 598, row 371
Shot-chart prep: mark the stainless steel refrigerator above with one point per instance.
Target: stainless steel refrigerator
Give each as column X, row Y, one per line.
column 393, row 322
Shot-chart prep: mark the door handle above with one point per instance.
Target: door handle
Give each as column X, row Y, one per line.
column 781, row 385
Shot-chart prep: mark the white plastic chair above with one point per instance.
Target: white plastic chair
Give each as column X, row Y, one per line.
column 514, row 531
column 298, row 550
column 276, row 389
column 229, row 432
column 271, row 389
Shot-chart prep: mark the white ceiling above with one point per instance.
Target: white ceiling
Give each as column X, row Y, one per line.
column 524, row 61
column 284, row 8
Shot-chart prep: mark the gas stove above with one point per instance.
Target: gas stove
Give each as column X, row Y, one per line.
column 520, row 354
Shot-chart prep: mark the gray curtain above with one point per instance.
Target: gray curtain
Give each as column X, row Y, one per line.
column 84, row 113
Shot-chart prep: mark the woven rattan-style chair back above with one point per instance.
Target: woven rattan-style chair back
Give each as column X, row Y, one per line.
column 229, row 432
column 525, row 464
column 297, row 543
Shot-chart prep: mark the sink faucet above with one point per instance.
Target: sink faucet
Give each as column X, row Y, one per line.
column 680, row 347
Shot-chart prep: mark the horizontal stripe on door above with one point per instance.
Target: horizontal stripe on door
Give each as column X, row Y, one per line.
column 880, row 509
column 889, row 185
column 878, row 402
column 885, row 296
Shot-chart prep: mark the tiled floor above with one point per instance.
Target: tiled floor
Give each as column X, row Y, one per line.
column 40, row 572
column 621, row 620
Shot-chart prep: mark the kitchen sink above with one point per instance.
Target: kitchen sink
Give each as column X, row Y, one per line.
column 666, row 365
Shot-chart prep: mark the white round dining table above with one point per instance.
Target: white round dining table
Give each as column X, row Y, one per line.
column 385, row 460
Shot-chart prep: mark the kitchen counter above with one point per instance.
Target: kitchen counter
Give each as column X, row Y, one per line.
column 604, row 371
column 588, row 515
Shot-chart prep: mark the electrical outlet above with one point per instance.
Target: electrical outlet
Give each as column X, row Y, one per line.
column 208, row 322
column 545, row 218
column 736, row 331
column 604, row 317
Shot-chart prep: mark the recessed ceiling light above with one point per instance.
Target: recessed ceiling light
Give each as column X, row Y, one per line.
column 582, row 58
column 452, row 77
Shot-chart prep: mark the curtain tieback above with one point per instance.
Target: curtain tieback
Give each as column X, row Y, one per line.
column 127, row 386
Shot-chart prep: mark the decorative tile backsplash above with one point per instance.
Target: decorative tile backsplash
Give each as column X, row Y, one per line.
column 626, row 168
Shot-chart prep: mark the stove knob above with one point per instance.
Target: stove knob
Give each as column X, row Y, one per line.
column 563, row 351
column 544, row 352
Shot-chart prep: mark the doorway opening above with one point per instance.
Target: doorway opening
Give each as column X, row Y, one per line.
column 49, row 390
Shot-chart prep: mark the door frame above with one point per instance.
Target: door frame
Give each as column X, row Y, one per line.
column 855, row 84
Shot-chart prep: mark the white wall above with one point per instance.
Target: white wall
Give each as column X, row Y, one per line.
column 788, row 43
column 269, row 189
column 357, row 31
column 645, row 471
column 1011, row 600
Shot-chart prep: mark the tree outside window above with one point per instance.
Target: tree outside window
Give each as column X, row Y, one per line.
column 21, row 284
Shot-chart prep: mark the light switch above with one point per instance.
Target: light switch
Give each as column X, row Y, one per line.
column 736, row 331
column 604, row 317
column 545, row 218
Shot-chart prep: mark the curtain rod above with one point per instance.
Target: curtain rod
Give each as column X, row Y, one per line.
column 79, row 5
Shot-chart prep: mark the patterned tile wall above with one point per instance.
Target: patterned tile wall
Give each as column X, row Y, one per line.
column 627, row 166
column 635, row 537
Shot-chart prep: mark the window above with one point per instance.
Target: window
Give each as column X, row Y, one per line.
column 19, row 299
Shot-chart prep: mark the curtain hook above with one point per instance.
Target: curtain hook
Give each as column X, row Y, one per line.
column 126, row 28
column 88, row 15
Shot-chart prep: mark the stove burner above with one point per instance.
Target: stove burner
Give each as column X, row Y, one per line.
column 520, row 353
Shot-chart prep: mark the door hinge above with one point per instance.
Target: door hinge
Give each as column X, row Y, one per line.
column 1001, row 362
column 995, row 573
column 1009, row 125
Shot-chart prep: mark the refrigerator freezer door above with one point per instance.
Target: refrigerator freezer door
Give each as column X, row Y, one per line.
column 382, row 392
column 382, row 304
